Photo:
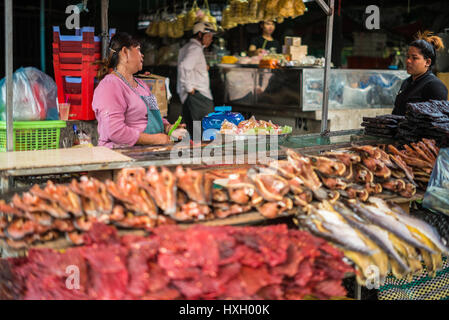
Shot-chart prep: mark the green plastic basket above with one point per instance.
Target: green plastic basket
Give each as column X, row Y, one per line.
column 33, row 135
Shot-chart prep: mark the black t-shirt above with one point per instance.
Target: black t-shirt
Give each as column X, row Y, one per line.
column 425, row 88
column 259, row 43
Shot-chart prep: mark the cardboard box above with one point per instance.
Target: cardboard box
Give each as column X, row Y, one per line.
column 157, row 87
column 296, row 53
column 294, row 50
column 292, row 41
column 297, row 57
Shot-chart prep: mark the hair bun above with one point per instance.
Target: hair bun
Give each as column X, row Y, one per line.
column 434, row 40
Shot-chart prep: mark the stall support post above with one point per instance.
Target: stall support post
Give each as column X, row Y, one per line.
column 104, row 28
column 42, row 20
column 358, row 291
column 329, row 10
column 8, row 72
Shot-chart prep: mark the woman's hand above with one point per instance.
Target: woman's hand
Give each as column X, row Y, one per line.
column 179, row 134
column 161, row 138
column 157, row 138
column 169, row 126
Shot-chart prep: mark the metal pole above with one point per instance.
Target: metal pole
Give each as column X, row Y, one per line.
column 42, row 18
column 358, row 291
column 8, row 71
column 327, row 65
column 104, row 28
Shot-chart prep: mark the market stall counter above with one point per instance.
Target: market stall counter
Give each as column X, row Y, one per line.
column 313, row 189
column 101, row 161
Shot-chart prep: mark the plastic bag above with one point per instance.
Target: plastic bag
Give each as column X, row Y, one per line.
column 34, row 98
column 437, row 193
column 212, row 123
column 215, row 119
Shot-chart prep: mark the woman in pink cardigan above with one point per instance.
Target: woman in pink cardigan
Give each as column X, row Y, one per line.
column 126, row 110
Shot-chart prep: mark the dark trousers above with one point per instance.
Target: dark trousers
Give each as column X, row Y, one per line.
column 195, row 108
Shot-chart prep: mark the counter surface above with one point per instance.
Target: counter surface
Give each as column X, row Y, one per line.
column 59, row 157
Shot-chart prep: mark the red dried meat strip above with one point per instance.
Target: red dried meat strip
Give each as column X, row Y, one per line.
column 48, row 261
column 234, row 290
column 158, row 279
column 206, row 256
column 100, row 233
column 207, row 287
column 50, row 288
column 290, row 266
column 171, row 239
column 271, row 292
column 297, row 293
column 328, row 288
column 253, row 279
column 237, row 254
column 163, row 294
column 305, row 273
column 177, row 272
column 139, row 276
column 108, row 276
column 250, row 257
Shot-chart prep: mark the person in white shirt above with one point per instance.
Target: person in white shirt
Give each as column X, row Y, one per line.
column 193, row 85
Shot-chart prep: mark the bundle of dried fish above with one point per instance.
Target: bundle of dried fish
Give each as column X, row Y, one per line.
column 377, row 234
column 426, row 120
column 383, row 126
column 417, row 160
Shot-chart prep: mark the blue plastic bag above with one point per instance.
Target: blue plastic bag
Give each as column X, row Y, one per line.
column 34, row 96
column 211, row 123
column 437, row 193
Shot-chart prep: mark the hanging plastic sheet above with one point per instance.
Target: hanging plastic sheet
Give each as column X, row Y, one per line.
column 437, row 193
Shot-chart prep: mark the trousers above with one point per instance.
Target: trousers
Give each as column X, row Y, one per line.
column 195, row 108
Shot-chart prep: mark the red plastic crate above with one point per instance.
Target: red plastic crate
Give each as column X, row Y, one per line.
column 74, row 56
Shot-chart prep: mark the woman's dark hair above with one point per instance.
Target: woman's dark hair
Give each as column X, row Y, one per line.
column 428, row 44
column 118, row 41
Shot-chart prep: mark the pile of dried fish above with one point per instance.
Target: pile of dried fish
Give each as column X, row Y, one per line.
column 377, row 234
column 428, row 120
column 59, row 210
column 143, row 199
column 384, row 126
column 418, row 159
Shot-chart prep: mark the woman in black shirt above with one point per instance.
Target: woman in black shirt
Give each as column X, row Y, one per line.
column 266, row 40
column 422, row 85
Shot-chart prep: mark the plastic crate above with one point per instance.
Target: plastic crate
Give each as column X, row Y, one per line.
column 33, row 135
column 72, row 85
column 73, row 63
